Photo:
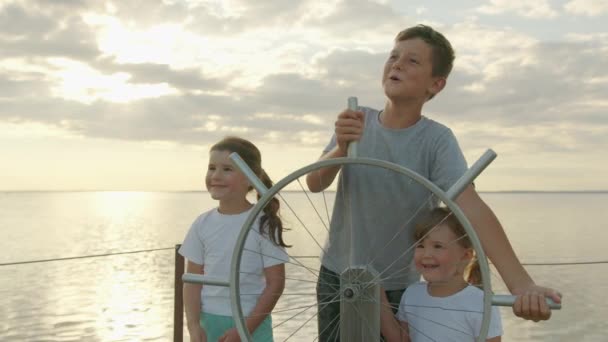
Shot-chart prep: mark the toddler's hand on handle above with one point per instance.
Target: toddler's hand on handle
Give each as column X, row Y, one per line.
column 531, row 304
column 348, row 127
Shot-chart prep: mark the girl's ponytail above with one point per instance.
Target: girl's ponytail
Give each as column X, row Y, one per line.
column 271, row 217
column 473, row 273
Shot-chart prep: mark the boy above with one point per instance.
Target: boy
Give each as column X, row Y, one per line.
column 416, row 70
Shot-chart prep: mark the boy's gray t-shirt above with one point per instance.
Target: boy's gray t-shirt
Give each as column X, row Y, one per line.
column 384, row 205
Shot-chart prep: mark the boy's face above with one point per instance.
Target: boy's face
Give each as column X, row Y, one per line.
column 408, row 71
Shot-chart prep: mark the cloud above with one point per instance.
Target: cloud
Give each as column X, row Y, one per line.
column 531, row 9
column 17, row 23
column 591, row 8
column 354, row 18
column 290, row 86
column 548, row 98
column 189, row 79
column 241, row 16
column 22, row 84
column 38, row 33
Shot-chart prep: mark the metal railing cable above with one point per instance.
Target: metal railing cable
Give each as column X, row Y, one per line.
column 557, row 263
column 104, row 255
column 83, row 256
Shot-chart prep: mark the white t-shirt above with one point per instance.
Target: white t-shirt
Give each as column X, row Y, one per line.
column 456, row 318
column 210, row 242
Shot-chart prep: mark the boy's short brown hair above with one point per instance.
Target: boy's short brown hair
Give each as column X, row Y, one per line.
column 443, row 53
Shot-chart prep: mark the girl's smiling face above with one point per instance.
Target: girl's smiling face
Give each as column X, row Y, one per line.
column 440, row 258
column 224, row 182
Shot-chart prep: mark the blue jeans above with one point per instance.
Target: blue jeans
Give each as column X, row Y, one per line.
column 328, row 304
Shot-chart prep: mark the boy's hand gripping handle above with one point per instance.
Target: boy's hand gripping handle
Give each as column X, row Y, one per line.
column 509, row 300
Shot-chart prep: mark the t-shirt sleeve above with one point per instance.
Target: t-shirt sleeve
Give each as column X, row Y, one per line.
column 401, row 313
column 193, row 248
column 449, row 163
column 495, row 328
column 495, row 323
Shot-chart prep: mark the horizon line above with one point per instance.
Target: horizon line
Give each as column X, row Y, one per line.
column 187, row 191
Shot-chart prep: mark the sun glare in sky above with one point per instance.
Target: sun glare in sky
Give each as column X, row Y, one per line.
column 79, row 82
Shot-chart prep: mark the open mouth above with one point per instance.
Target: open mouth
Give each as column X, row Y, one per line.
column 394, row 78
column 429, row 267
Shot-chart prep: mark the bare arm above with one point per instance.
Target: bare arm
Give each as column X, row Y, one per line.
column 192, row 305
column 405, row 331
column 494, row 339
column 493, row 238
column 321, row 179
column 348, row 127
column 530, row 303
column 392, row 330
column 275, row 283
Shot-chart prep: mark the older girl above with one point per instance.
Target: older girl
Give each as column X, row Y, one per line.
column 209, row 244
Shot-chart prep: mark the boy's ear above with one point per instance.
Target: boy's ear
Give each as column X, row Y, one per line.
column 437, row 85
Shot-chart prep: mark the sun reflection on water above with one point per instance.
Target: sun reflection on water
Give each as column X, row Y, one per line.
column 127, row 294
column 119, row 203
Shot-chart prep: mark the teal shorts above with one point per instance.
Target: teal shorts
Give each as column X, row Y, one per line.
column 216, row 325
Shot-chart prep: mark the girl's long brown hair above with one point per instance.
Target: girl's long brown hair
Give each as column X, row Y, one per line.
column 270, row 222
column 443, row 216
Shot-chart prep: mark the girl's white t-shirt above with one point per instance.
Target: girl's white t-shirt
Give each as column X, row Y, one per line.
column 455, row 318
column 211, row 241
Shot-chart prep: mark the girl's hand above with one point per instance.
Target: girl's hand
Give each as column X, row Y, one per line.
column 530, row 303
column 231, row 335
column 349, row 127
column 197, row 334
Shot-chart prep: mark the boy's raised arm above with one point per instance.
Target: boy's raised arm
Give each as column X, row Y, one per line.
column 321, row 179
column 530, row 303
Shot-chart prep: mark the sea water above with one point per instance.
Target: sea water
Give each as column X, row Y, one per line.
column 106, row 294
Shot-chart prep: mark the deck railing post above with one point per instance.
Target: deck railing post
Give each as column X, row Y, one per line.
column 178, row 299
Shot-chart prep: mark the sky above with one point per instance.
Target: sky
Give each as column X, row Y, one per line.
column 129, row 95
